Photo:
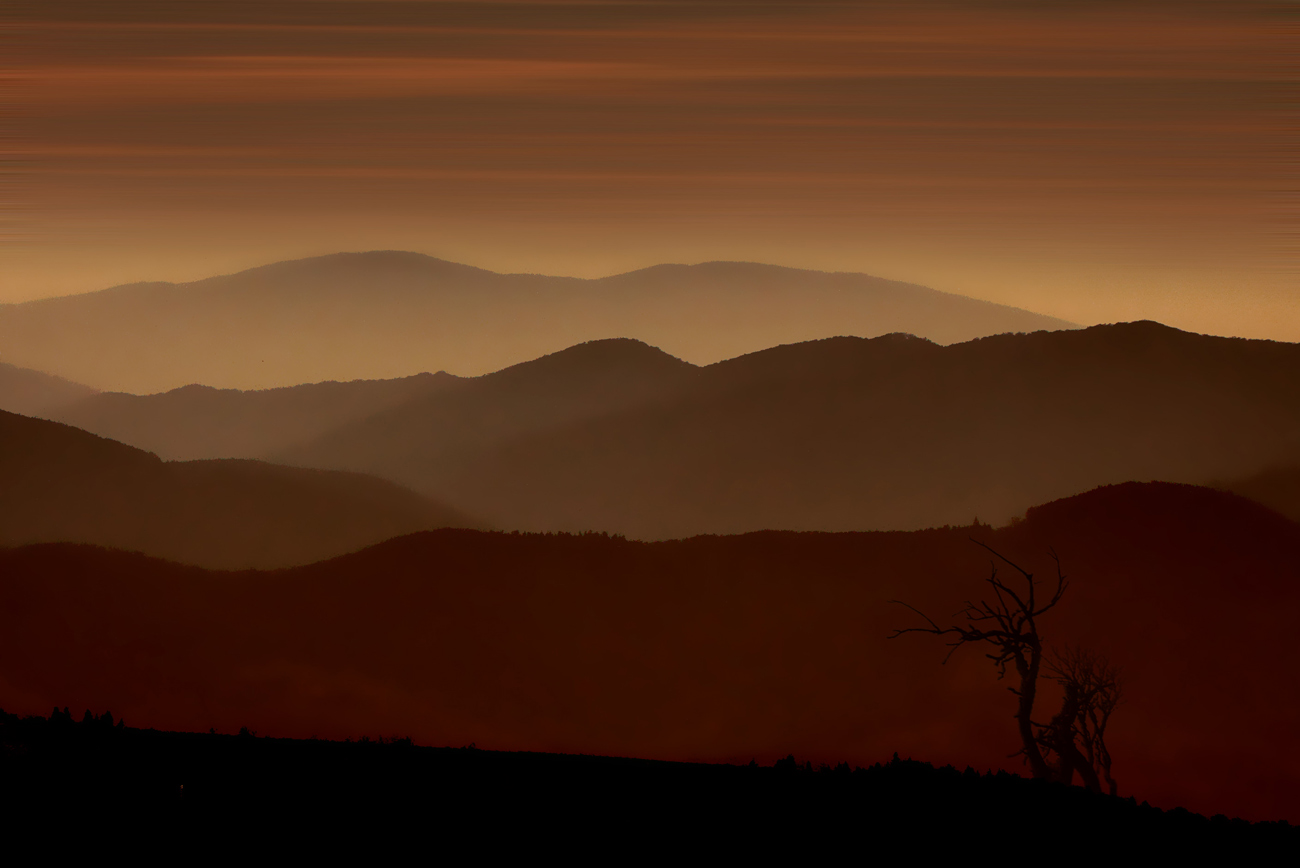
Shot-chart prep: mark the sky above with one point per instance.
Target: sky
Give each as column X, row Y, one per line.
column 1097, row 161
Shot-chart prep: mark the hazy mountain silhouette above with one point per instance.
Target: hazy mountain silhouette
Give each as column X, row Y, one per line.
column 33, row 393
column 894, row 432
column 390, row 314
column 1277, row 488
column 58, row 483
column 195, row 422
column 422, row 440
column 713, row 648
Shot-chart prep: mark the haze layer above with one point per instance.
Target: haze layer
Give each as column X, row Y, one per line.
column 894, row 432
column 390, row 314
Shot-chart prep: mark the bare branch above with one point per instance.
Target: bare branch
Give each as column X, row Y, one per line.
column 936, row 627
column 1007, row 621
column 1002, row 558
column 1093, row 689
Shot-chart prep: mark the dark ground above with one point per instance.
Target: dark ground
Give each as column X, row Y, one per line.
column 105, row 786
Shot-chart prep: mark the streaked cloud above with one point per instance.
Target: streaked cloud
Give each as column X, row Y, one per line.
column 1075, row 158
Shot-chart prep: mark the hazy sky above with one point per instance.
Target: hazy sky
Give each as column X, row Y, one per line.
column 1092, row 160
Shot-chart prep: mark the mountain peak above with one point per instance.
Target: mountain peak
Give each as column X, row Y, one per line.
column 1138, row 504
column 606, row 352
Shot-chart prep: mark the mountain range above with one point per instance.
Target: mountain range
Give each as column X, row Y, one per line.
column 58, row 483
column 719, row 631
column 712, row 648
column 894, row 432
column 387, row 314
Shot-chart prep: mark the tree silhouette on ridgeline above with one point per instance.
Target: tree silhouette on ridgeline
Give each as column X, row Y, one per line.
column 1074, row 740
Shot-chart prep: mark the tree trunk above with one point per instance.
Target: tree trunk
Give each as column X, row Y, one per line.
column 1060, row 738
column 1073, row 761
column 1028, row 670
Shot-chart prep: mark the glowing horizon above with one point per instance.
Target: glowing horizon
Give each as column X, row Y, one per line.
column 1086, row 162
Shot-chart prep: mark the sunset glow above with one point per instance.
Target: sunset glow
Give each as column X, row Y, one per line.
column 1091, row 162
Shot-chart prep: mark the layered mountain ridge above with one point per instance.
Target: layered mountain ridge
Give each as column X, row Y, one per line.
column 850, row 434
column 35, row 393
column 58, row 483
column 198, row 422
column 712, row 648
column 895, row 432
column 388, row 314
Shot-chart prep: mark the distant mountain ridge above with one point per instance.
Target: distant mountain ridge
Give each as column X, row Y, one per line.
column 35, row 393
column 894, row 432
column 848, row 434
column 389, row 314
column 198, row 422
column 420, row 440
column 61, row 484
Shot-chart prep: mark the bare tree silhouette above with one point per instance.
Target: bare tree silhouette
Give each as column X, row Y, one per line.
column 1008, row 622
column 1093, row 689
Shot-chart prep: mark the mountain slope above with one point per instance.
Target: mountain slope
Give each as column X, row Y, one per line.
column 1276, row 487
column 196, row 422
column 850, row 434
column 58, row 483
column 713, row 648
column 33, row 393
column 388, row 314
column 421, row 441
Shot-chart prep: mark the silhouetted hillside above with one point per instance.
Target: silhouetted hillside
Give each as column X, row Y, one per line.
column 58, row 483
column 177, row 786
column 713, row 648
column 840, row 434
column 33, row 393
column 389, row 314
column 196, row 422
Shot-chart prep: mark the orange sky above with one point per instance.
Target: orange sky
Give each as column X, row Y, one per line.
column 1092, row 160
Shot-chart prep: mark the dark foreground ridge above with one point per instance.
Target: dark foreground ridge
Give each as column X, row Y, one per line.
column 175, row 782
